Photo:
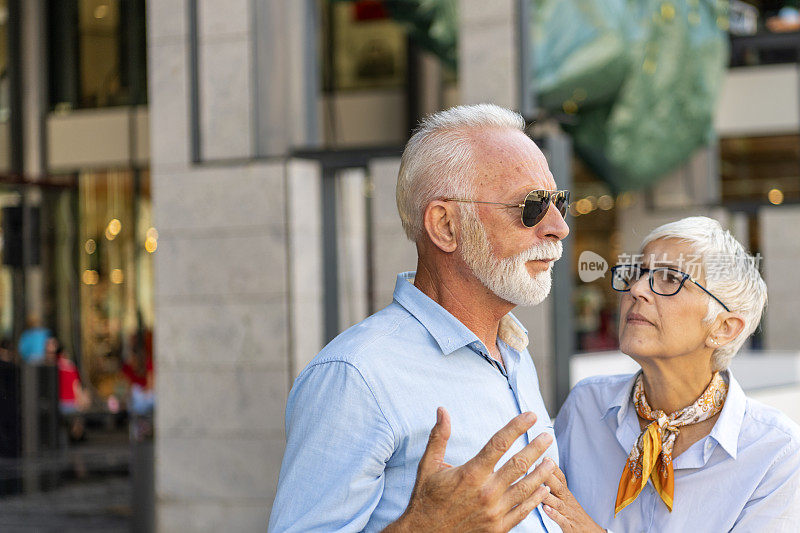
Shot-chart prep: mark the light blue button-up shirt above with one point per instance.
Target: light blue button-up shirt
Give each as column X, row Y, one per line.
column 359, row 415
column 743, row 476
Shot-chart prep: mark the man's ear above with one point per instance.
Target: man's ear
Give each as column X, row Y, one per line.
column 439, row 222
column 728, row 327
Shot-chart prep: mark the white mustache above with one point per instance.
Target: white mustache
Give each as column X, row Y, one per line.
column 545, row 250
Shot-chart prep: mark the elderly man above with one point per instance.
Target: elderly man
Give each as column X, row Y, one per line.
column 474, row 194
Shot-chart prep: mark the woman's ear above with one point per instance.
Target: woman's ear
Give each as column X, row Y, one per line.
column 439, row 222
column 727, row 328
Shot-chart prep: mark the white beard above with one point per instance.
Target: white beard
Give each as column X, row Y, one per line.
column 508, row 278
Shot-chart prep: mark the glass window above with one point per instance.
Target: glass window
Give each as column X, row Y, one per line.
column 593, row 225
column 363, row 47
column 9, row 201
column 97, row 53
column 5, row 91
column 760, row 170
column 115, row 246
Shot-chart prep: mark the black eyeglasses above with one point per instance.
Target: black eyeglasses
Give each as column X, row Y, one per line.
column 535, row 207
column 664, row 281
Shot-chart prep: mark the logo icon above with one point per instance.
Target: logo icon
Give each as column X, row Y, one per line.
column 591, row 266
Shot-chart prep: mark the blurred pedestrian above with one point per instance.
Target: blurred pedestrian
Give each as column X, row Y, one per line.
column 33, row 341
column 73, row 398
column 6, row 352
column 138, row 370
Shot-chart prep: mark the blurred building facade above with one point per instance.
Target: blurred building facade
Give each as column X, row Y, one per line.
column 269, row 134
column 77, row 235
column 246, row 152
column 275, row 134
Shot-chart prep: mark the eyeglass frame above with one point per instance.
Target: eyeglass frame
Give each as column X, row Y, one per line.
column 550, row 200
column 686, row 277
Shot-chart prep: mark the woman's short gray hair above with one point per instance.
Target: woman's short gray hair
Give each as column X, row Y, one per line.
column 437, row 161
column 731, row 274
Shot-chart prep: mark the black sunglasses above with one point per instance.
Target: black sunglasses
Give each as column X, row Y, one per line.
column 536, row 204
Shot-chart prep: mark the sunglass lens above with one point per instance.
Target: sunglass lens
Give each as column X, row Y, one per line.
column 562, row 202
column 535, row 208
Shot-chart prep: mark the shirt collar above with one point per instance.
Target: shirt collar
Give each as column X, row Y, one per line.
column 725, row 431
column 729, row 424
column 621, row 401
column 450, row 334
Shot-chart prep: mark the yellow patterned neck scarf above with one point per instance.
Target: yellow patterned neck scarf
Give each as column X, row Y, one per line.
column 651, row 456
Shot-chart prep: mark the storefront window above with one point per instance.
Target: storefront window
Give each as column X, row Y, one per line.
column 593, row 211
column 760, row 170
column 115, row 249
column 9, row 200
column 97, row 53
column 364, row 47
column 5, row 91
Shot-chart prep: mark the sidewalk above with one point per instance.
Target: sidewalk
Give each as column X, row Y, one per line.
column 78, row 506
column 90, row 488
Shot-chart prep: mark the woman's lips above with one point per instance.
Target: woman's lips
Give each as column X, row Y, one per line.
column 636, row 318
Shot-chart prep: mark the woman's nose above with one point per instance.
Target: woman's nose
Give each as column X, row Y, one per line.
column 640, row 289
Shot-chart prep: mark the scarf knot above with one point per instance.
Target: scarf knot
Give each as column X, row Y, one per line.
column 651, row 456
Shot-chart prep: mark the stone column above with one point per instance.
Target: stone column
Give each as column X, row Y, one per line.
column 237, row 304
column 488, row 49
column 780, row 248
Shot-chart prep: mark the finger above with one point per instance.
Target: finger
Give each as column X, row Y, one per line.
column 553, row 501
column 522, row 489
column 521, row 511
column 557, row 482
column 501, row 441
column 555, row 516
column 433, row 459
column 522, row 461
column 560, row 475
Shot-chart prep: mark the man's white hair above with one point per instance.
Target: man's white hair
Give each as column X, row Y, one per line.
column 437, row 161
column 730, row 274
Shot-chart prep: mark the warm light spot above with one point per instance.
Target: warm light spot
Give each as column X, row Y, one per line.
column 649, row 66
column 90, row 277
column 775, row 196
column 583, row 206
column 569, row 107
column 150, row 245
column 573, row 210
column 116, row 276
column 101, row 11
column 667, row 11
column 624, row 200
column 152, row 233
column 90, row 246
column 605, row 202
column 579, row 95
column 114, row 227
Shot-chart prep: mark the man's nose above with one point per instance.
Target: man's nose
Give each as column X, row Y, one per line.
column 553, row 225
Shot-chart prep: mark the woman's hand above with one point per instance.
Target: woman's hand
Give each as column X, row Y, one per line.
column 562, row 507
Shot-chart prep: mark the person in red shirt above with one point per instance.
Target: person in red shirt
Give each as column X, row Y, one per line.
column 73, row 399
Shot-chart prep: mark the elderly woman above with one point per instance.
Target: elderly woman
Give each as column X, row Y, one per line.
column 678, row 446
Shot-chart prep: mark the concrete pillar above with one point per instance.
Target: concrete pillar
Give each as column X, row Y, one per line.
column 237, row 296
column 392, row 252
column 488, row 51
column 780, row 248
